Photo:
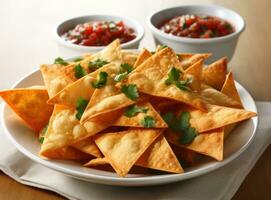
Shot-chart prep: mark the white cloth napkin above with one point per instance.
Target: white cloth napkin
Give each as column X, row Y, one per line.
column 219, row 184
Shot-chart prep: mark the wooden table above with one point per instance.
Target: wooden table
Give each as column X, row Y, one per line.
column 20, row 54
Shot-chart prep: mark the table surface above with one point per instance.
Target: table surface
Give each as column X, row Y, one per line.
column 27, row 41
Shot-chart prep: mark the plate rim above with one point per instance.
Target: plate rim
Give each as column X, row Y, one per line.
column 127, row 181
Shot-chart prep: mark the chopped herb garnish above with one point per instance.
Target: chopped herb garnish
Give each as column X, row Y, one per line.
column 133, row 110
column 96, row 64
column 164, row 46
column 41, row 140
column 78, row 59
column 130, row 91
column 101, row 82
column 181, row 125
column 81, row 105
column 184, row 26
column 127, row 67
column 173, row 78
column 120, row 77
column 79, row 71
column 148, row 121
column 60, row 61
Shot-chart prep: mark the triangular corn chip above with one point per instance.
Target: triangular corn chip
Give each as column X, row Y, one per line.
column 80, row 88
column 64, row 130
column 213, row 96
column 160, row 156
column 229, row 88
column 122, row 149
column 142, row 57
column 150, row 78
column 195, row 72
column 215, row 73
column 88, row 146
column 136, row 120
column 209, row 143
column 54, row 79
column 129, row 57
column 30, row 105
column 187, row 59
column 216, row 117
column 97, row 162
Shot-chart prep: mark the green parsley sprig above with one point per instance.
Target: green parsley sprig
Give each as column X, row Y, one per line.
column 174, row 78
column 79, row 71
column 81, row 105
column 96, row 64
column 130, row 91
column 133, row 110
column 148, row 122
column 101, row 82
column 60, row 61
column 126, row 69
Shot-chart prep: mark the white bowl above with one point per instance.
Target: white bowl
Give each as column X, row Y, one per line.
column 219, row 46
column 26, row 141
column 69, row 48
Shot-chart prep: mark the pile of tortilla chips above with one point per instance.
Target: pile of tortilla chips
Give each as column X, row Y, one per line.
column 151, row 110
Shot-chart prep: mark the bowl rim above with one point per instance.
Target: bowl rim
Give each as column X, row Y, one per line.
column 235, row 34
column 138, row 28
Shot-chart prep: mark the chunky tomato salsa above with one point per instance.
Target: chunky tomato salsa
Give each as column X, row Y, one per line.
column 99, row 33
column 196, row 26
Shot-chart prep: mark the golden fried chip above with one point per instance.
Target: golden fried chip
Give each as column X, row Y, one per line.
column 129, row 57
column 88, row 146
column 160, row 156
column 136, row 121
column 30, row 105
column 195, row 72
column 209, row 143
column 122, row 149
column 54, row 79
column 142, row 57
column 216, row 117
column 215, row 73
column 229, row 88
column 96, row 162
column 64, row 130
column 213, row 96
column 81, row 88
column 188, row 59
column 150, row 78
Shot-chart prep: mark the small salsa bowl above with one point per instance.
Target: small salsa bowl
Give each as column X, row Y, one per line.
column 218, row 46
column 69, row 48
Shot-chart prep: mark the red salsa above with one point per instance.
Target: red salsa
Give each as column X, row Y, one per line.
column 99, row 33
column 196, row 26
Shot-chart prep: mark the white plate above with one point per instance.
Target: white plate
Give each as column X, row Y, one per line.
column 26, row 142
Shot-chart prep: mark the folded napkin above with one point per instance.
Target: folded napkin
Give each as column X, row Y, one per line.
column 219, row 184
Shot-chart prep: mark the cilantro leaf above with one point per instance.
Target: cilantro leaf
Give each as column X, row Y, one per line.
column 183, row 85
column 96, row 64
column 130, row 91
column 188, row 135
column 81, row 105
column 60, row 61
column 164, row 46
column 148, row 121
column 77, row 59
column 172, row 122
column 127, row 67
column 133, row 110
column 120, row 77
column 101, row 82
column 41, row 140
column 79, row 71
column 184, row 119
column 173, row 76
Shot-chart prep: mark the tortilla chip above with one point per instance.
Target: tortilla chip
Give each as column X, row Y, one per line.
column 229, row 88
column 216, row 117
column 187, row 59
column 195, row 72
column 215, row 73
column 80, row 88
column 129, row 57
column 54, row 79
column 136, row 120
column 64, row 130
column 122, row 149
column 185, row 156
column 213, row 96
column 30, row 105
column 151, row 75
column 160, row 156
column 209, row 143
column 96, row 162
column 142, row 57
column 88, row 146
